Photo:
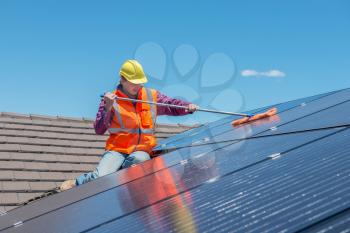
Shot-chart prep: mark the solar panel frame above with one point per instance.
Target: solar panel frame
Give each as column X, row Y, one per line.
column 39, row 209
column 339, row 222
column 290, row 215
column 215, row 128
column 286, row 117
column 334, row 116
column 76, row 210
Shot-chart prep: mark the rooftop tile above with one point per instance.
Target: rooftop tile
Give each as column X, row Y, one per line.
column 36, row 166
column 42, row 186
column 15, row 185
column 43, row 151
column 27, row 175
column 52, row 175
column 23, row 197
column 10, row 147
column 11, row 165
column 6, row 175
column 5, row 155
column 60, row 166
column 8, row 198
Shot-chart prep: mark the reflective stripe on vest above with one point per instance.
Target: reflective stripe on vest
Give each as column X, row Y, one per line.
column 147, row 131
column 117, row 113
column 117, row 130
column 122, row 127
column 153, row 107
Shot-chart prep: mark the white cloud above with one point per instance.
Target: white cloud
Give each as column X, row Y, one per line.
column 273, row 73
column 270, row 73
column 249, row 73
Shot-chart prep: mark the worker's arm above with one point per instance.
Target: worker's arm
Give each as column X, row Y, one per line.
column 103, row 118
column 164, row 110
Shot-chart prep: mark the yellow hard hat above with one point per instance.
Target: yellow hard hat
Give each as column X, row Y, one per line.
column 132, row 71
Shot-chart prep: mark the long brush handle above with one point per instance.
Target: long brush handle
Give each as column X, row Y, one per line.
column 184, row 107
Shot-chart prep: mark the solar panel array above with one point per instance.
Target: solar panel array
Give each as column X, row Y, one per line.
column 289, row 173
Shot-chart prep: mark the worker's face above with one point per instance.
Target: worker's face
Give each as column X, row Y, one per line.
column 131, row 88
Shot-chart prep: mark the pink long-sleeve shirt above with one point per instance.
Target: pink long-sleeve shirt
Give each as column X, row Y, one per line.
column 104, row 118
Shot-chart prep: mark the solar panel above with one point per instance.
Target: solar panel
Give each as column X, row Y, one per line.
column 333, row 116
column 219, row 178
column 128, row 198
column 226, row 120
column 224, row 127
column 287, row 116
column 287, row 194
column 339, row 222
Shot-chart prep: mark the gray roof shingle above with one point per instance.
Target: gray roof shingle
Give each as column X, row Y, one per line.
column 38, row 152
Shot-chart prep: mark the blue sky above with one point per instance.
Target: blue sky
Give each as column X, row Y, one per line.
column 57, row 56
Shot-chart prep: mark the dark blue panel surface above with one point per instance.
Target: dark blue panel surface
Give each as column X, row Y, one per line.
column 148, row 193
column 286, row 194
column 102, row 184
column 221, row 126
column 330, row 117
column 286, row 117
column 151, row 189
column 171, row 159
column 339, row 222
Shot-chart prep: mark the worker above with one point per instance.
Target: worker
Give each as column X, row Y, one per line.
column 131, row 125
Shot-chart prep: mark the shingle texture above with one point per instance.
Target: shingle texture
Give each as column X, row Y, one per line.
column 38, row 152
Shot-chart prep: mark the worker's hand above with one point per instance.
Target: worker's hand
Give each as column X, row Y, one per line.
column 192, row 108
column 109, row 99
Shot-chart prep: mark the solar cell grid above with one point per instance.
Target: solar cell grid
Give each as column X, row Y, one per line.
column 221, row 126
column 300, row 188
column 276, row 180
column 130, row 197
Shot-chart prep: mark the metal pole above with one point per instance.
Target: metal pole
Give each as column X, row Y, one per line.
column 183, row 107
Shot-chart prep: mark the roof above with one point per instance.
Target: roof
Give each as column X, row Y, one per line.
column 286, row 173
column 38, row 153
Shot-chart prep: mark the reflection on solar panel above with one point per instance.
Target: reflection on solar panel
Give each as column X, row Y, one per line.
column 289, row 174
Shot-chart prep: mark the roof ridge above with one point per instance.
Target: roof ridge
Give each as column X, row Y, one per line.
column 75, row 119
column 44, row 117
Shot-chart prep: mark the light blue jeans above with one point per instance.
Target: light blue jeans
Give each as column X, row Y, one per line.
column 113, row 161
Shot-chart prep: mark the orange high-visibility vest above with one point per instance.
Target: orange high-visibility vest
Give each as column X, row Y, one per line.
column 133, row 125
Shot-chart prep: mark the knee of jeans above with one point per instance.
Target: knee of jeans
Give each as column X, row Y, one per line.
column 111, row 162
column 103, row 172
column 141, row 157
